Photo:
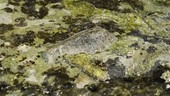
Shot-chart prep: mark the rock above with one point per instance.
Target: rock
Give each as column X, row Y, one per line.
column 163, row 60
column 115, row 69
column 88, row 41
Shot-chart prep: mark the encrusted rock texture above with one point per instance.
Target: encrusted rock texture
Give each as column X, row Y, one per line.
column 84, row 47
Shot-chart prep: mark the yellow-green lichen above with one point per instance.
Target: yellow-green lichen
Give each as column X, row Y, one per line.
column 83, row 61
column 121, row 47
column 8, row 78
column 10, row 63
column 34, row 72
column 131, row 22
column 145, row 61
column 127, row 21
column 79, row 8
column 8, row 51
column 157, row 25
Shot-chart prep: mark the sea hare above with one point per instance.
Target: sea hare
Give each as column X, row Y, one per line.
column 88, row 41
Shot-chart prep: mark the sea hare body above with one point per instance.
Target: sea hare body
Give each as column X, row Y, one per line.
column 88, row 41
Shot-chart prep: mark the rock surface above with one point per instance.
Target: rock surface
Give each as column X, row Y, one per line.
column 88, row 41
column 115, row 47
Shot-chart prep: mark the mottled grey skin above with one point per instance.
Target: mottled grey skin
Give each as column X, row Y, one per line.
column 88, row 41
